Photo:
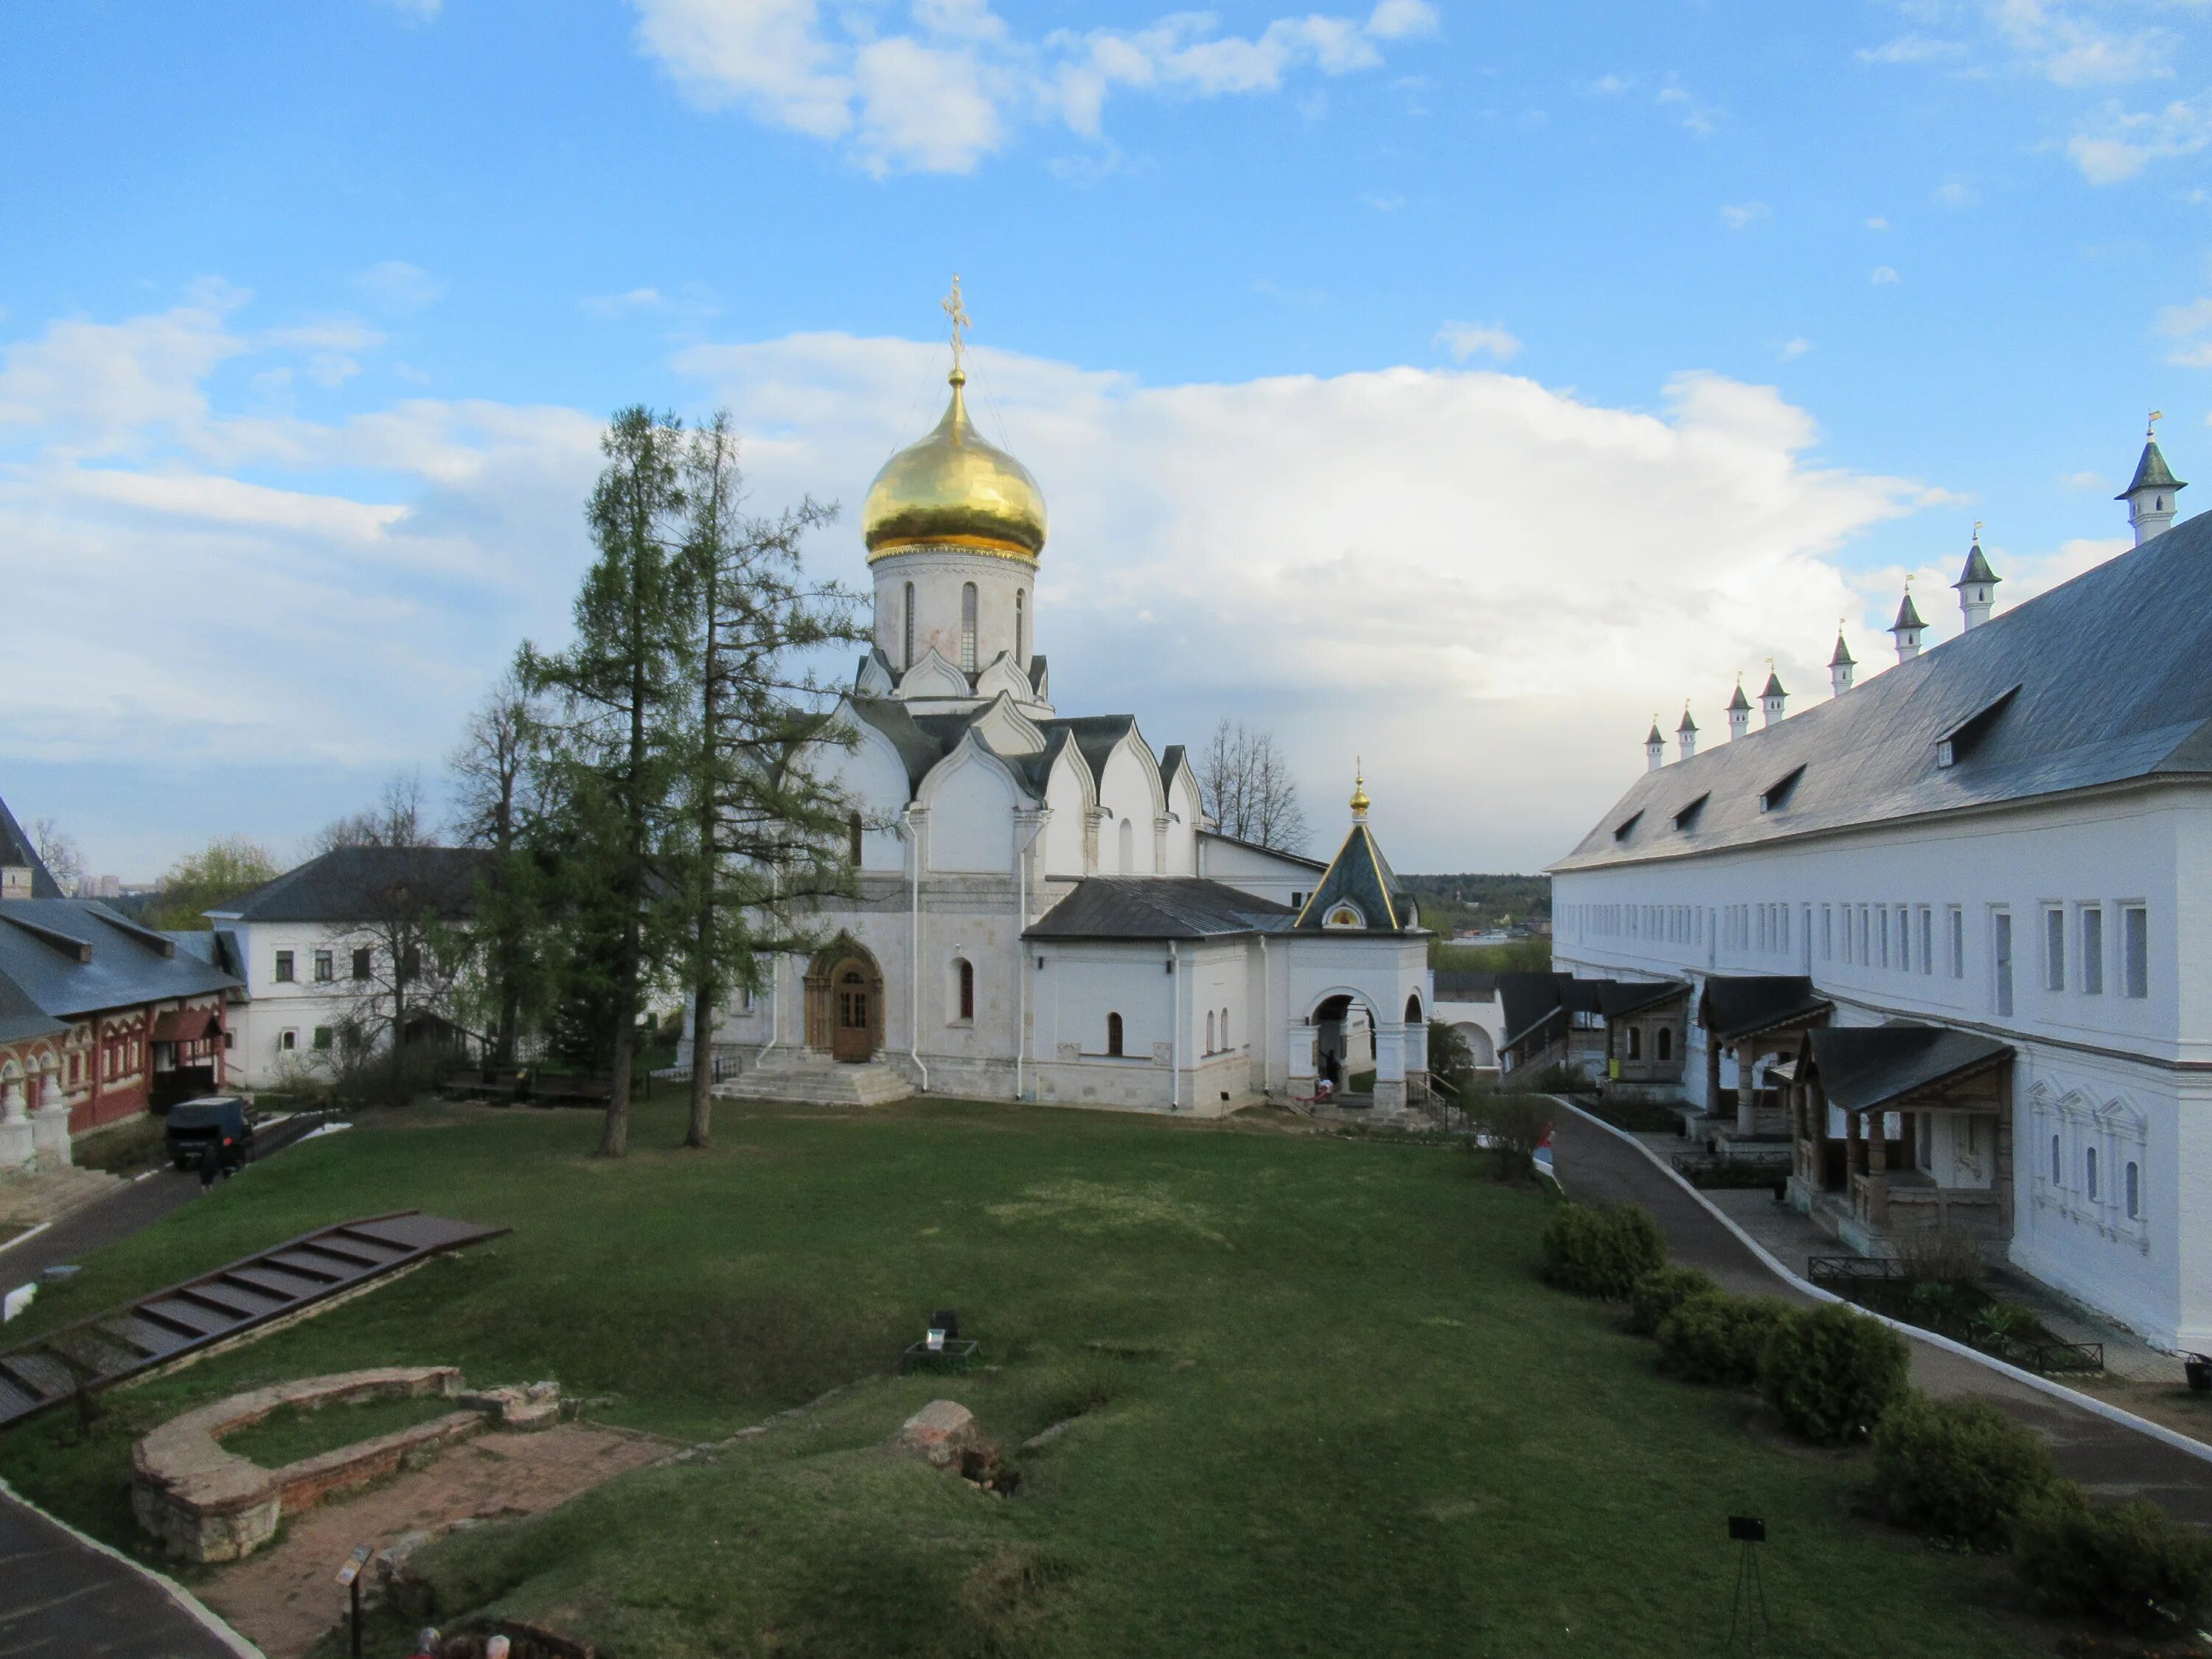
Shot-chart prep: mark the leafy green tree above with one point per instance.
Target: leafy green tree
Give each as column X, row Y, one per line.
column 227, row 868
column 770, row 835
column 617, row 740
column 500, row 791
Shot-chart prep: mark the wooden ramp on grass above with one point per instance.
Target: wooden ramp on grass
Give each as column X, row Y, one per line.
column 216, row 1307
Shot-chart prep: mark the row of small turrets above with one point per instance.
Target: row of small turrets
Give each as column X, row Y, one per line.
column 2151, row 497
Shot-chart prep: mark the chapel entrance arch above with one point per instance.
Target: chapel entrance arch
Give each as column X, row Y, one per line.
column 1344, row 1039
column 845, row 1002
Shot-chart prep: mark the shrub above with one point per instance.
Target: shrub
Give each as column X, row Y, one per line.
column 1943, row 1255
column 1513, row 1126
column 2130, row 1563
column 1601, row 1252
column 1959, row 1470
column 1718, row 1338
column 1656, row 1295
column 1830, row 1372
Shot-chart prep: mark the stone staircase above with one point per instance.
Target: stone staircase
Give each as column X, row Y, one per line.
column 810, row 1080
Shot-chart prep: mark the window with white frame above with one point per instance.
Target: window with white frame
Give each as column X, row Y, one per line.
column 1956, row 920
column 1827, row 934
column 2093, row 949
column 2135, row 951
column 1927, row 940
column 2054, row 948
column 1866, row 955
column 2001, row 959
column 1882, row 917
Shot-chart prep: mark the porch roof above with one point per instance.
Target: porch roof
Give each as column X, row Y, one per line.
column 1738, row 1005
column 1879, row 1068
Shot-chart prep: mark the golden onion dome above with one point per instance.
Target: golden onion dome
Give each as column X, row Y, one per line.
column 954, row 489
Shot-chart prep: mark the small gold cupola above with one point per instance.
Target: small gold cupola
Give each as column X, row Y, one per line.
column 953, row 488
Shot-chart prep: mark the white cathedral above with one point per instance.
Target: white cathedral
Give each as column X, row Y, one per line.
column 1043, row 912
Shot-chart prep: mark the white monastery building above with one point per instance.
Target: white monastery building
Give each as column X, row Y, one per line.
column 1043, row 913
column 1944, row 936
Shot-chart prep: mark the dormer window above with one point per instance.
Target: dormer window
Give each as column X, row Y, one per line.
column 1778, row 792
column 1687, row 818
column 1955, row 745
column 1627, row 824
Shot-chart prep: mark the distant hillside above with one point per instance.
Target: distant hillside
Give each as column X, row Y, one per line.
column 1450, row 904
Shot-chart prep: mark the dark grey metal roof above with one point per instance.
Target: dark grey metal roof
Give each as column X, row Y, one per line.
column 1773, row 687
column 1655, row 741
column 68, row 957
column 1978, row 567
column 18, row 849
column 1908, row 614
column 2112, row 688
column 359, row 883
column 2151, row 473
column 1739, row 700
column 1361, row 874
column 923, row 741
column 1461, row 984
column 22, row 1017
column 1619, row 997
column 1744, row 1004
column 1157, row 907
column 1863, row 1068
column 1272, row 852
column 1687, row 725
column 1843, row 657
column 1530, row 1000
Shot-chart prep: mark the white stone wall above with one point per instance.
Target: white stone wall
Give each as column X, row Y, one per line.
column 938, row 574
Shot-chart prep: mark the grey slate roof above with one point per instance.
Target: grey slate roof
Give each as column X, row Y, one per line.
column 20, row 1017
column 2112, row 690
column 358, row 883
column 1157, row 907
column 1977, row 567
column 1865, row 1068
column 2151, row 473
column 1361, row 874
column 16, row 848
column 923, row 741
column 1744, row 1004
column 1272, row 852
column 1533, row 1001
column 68, row 957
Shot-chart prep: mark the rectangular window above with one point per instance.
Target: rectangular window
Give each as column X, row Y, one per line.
column 322, row 1036
column 1957, row 924
column 1866, row 956
column 2054, row 948
column 2000, row 949
column 2135, row 951
column 1904, row 941
column 1782, row 916
column 1927, row 940
column 284, row 973
column 1828, row 935
column 1883, row 916
column 361, row 962
column 325, row 966
column 2092, row 951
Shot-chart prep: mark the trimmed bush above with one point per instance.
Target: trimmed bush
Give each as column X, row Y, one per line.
column 1718, row 1339
column 1656, row 1295
column 1830, row 1372
column 1601, row 1252
column 2131, row 1563
column 1959, row 1470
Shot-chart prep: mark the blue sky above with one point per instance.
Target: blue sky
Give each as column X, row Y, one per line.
column 1454, row 385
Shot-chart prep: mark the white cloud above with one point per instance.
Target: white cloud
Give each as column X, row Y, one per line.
column 1911, row 49
column 1883, row 275
column 1611, row 86
column 399, row 286
column 951, row 92
column 1395, row 515
column 1739, row 214
column 1466, row 340
column 621, row 304
column 1953, row 194
column 1793, row 349
column 1877, row 223
column 2121, row 144
column 420, row 11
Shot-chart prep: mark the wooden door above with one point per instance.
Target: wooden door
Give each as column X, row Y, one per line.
column 853, row 1007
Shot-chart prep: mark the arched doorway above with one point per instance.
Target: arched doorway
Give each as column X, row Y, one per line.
column 1344, row 1044
column 845, row 1002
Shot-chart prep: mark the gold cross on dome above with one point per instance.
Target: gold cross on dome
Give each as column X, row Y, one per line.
column 951, row 307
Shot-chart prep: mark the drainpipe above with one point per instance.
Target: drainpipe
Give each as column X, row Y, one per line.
column 1022, row 955
column 913, row 941
column 1174, row 1029
column 1267, row 1021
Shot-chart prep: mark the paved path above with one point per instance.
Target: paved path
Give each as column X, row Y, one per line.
column 1597, row 1166
column 137, row 1205
column 66, row 1601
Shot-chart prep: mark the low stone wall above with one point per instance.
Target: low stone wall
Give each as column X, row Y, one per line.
column 208, row 1505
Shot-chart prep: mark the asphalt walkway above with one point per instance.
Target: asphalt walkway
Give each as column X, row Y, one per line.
column 1598, row 1167
column 65, row 1599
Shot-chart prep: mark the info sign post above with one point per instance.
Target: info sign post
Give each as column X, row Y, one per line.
column 349, row 1576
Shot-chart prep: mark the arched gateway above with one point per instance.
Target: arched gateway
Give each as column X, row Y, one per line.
column 845, row 1002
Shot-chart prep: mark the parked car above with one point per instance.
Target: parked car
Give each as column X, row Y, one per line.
column 213, row 1124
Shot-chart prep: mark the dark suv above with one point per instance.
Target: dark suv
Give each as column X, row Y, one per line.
column 212, row 1124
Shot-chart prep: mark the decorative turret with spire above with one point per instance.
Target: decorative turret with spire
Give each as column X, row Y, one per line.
column 1771, row 700
column 2151, row 496
column 1840, row 666
column 1686, row 734
column 1739, row 712
column 1908, row 628
column 1358, row 889
column 1360, row 801
column 1976, row 583
column 1655, row 748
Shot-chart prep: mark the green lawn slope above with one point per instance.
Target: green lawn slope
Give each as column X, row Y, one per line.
column 1323, row 1404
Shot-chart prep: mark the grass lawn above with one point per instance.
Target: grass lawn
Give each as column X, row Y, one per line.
column 1323, row 1403
column 290, row 1433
